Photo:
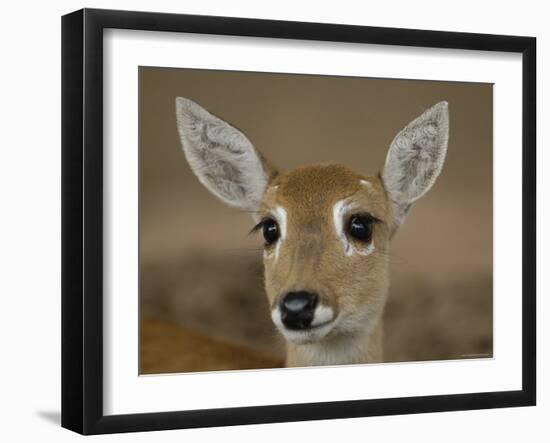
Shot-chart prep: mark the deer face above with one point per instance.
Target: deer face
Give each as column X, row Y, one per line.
column 326, row 231
column 326, row 228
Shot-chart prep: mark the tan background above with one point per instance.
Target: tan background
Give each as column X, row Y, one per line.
column 199, row 268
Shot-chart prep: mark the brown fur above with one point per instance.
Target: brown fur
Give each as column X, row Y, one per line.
column 312, row 256
column 167, row 347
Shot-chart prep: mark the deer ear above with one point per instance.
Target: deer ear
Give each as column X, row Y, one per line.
column 221, row 156
column 415, row 159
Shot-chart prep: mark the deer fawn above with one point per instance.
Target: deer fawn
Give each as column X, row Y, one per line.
column 327, row 228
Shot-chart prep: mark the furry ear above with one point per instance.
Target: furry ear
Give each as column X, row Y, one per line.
column 221, row 156
column 415, row 159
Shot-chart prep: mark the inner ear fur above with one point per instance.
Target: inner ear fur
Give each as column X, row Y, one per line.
column 415, row 159
column 222, row 157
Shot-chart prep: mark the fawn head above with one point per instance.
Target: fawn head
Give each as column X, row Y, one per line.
column 326, row 228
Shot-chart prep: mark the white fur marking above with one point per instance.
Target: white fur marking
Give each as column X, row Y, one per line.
column 368, row 250
column 301, row 336
column 323, row 314
column 366, row 183
column 338, row 212
column 276, row 317
column 279, row 214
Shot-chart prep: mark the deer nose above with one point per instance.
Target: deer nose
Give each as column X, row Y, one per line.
column 298, row 309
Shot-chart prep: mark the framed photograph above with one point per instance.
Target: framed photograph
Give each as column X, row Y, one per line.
column 269, row 221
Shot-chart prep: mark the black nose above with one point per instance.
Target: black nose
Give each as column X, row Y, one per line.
column 297, row 309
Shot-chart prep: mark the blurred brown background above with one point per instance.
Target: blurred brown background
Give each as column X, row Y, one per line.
column 203, row 305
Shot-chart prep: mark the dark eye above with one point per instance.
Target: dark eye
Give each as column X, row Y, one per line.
column 360, row 227
column 270, row 229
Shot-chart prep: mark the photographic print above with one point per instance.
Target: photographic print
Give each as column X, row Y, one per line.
column 273, row 221
column 291, row 220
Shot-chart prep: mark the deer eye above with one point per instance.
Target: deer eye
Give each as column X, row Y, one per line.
column 270, row 230
column 360, row 227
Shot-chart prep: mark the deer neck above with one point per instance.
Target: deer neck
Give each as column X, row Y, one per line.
column 365, row 347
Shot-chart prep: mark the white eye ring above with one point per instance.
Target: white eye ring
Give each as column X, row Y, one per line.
column 279, row 215
column 339, row 213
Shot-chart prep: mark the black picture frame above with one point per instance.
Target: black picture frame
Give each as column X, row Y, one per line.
column 82, row 220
